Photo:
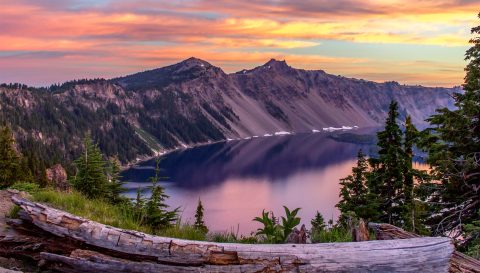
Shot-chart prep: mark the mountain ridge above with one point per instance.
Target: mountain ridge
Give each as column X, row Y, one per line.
column 194, row 102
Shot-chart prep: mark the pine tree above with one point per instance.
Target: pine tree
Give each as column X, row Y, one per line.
column 115, row 185
column 453, row 145
column 10, row 161
column 409, row 173
column 157, row 214
column 353, row 193
column 91, row 178
column 318, row 223
column 388, row 174
column 199, row 223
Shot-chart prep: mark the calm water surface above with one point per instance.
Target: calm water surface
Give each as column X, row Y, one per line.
column 236, row 180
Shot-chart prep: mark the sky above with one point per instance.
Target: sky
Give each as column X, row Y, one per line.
column 410, row 41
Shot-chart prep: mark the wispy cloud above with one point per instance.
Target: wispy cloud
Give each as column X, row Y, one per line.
column 123, row 35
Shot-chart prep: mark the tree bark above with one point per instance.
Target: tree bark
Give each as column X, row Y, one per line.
column 458, row 263
column 117, row 250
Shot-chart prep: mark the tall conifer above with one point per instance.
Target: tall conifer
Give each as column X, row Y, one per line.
column 10, row 161
column 91, row 177
column 453, row 145
column 388, row 174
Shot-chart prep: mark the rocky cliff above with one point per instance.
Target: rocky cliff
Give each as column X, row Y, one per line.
column 195, row 102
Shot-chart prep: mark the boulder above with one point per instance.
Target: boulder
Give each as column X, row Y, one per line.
column 57, row 177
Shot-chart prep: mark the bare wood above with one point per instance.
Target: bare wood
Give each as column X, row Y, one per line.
column 412, row 255
column 458, row 263
column 360, row 232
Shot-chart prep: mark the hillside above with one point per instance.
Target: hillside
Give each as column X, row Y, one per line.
column 195, row 102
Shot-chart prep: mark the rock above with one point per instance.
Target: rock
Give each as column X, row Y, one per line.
column 297, row 236
column 57, row 177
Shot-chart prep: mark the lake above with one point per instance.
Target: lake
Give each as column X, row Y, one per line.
column 236, row 180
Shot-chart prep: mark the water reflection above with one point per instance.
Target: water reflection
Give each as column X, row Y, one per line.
column 237, row 179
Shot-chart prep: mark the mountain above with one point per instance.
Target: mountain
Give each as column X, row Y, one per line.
column 195, row 102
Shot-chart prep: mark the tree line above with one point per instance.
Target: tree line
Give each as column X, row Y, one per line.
column 442, row 202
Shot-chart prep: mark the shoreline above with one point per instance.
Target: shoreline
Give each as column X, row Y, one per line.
column 275, row 134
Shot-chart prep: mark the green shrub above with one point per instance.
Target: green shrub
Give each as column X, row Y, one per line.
column 13, row 213
column 27, row 187
column 335, row 234
column 182, row 231
column 272, row 232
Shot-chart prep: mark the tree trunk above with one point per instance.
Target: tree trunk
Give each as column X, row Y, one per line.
column 458, row 263
column 117, row 250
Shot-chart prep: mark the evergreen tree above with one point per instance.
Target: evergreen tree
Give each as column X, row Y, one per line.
column 453, row 145
column 10, row 161
column 353, row 194
column 318, row 223
column 91, row 178
column 157, row 214
column 115, row 185
column 199, row 223
column 409, row 141
column 388, row 174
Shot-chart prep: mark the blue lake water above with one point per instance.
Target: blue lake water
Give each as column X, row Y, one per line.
column 236, row 180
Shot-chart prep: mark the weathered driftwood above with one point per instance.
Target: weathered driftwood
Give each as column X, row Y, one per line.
column 159, row 253
column 458, row 263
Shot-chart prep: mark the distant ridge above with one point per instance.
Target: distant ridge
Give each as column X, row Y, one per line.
column 192, row 101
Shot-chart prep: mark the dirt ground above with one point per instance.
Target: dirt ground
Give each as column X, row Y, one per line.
column 12, row 264
column 5, row 207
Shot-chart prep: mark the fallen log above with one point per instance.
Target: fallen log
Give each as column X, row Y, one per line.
column 459, row 262
column 161, row 254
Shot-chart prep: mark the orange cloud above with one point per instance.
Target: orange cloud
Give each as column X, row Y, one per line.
column 126, row 35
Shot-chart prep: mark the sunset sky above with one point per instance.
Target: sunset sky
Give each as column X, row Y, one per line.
column 409, row 41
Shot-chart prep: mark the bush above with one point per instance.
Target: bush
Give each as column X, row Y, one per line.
column 335, row 234
column 183, row 231
column 272, row 232
column 26, row 187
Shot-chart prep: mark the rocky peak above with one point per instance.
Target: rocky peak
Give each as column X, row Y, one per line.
column 277, row 64
column 274, row 65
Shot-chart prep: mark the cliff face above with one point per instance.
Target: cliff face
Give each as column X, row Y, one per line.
column 195, row 102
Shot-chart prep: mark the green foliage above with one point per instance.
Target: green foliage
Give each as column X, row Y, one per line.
column 332, row 235
column 91, row 177
column 120, row 215
column 272, row 231
column 182, row 231
column 383, row 189
column 387, row 174
column 13, row 213
column 115, row 187
column 354, row 194
column 289, row 221
column 154, row 211
column 10, row 161
column 453, row 147
column 318, row 223
column 199, row 223
column 473, row 236
column 26, row 187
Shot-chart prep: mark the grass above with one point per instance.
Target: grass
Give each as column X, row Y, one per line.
column 120, row 216
column 333, row 235
column 26, row 187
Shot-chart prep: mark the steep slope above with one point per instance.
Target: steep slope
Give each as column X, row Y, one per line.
column 195, row 102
